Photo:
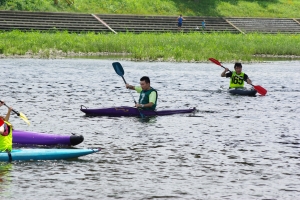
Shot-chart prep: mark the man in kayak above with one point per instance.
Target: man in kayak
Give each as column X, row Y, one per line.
column 5, row 132
column 148, row 95
column 237, row 77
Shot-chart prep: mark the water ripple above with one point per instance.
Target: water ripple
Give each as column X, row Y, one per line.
column 232, row 148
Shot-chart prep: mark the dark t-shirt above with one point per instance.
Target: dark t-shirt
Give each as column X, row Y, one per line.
column 180, row 20
column 229, row 74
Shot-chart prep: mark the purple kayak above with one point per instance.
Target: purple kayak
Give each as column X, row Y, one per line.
column 131, row 111
column 32, row 138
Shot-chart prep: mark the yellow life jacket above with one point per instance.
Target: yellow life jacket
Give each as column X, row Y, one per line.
column 6, row 140
column 237, row 81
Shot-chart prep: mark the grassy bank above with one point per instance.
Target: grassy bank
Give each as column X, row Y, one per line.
column 229, row 8
column 148, row 46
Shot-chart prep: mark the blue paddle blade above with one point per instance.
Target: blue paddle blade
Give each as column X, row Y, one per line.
column 118, row 68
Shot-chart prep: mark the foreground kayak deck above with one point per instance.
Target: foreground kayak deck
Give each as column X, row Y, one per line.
column 131, row 111
column 242, row 91
column 45, row 154
column 33, row 138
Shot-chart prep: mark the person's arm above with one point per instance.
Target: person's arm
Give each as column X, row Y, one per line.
column 129, row 86
column 8, row 114
column 247, row 79
column 223, row 74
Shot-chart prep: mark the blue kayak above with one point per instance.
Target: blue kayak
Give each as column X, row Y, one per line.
column 45, row 154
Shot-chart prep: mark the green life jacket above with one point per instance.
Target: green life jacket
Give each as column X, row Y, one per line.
column 236, row 81
column 6, row 141
column 144, row 98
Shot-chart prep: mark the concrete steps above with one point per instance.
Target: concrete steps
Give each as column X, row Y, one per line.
column 71, row 22
column 266, row 25
column 44, row 21
column 124, row 23
column 27, row 21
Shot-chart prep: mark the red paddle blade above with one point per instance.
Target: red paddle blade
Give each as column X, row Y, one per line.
column 215, row 61
column 260, row 90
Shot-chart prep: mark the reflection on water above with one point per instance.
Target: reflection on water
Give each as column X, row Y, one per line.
column 5, row 180
column 232, row 148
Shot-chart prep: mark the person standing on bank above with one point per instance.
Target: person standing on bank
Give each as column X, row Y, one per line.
column 5, row 132
column 180, row 19
column 203, row 25
column 148, row 95
column 237, row 77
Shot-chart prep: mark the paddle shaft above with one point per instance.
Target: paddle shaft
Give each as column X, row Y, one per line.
column 129, row 90
column 21, row 115
column 120, row 71
column 141, row 114
column 12, row 109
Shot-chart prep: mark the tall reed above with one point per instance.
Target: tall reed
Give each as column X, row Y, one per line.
column 193, row 46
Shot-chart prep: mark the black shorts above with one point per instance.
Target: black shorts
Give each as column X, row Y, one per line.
column 179, row 24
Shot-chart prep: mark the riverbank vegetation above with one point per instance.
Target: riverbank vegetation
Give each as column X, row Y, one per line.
column 227, row 8
column 191, row 47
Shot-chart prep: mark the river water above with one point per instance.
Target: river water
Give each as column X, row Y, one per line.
column 233, row 147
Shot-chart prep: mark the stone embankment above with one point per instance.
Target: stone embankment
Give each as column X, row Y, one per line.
column 45, row 21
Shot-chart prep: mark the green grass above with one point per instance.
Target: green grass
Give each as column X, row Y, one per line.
column 228, row 8
column 149, row 46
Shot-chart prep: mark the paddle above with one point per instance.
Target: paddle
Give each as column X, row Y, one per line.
column 120, row 71
column 21, row 115
column 258, row 88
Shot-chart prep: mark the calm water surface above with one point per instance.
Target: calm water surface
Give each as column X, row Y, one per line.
column 232, row 148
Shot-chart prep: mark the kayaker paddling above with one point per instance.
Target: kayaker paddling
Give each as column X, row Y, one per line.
column 148, row 95
column 237, row 77
column 5, row 132
column 258, row 88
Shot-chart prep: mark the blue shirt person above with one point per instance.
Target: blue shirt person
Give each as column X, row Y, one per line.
column 179, row 20
column 203, row 24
